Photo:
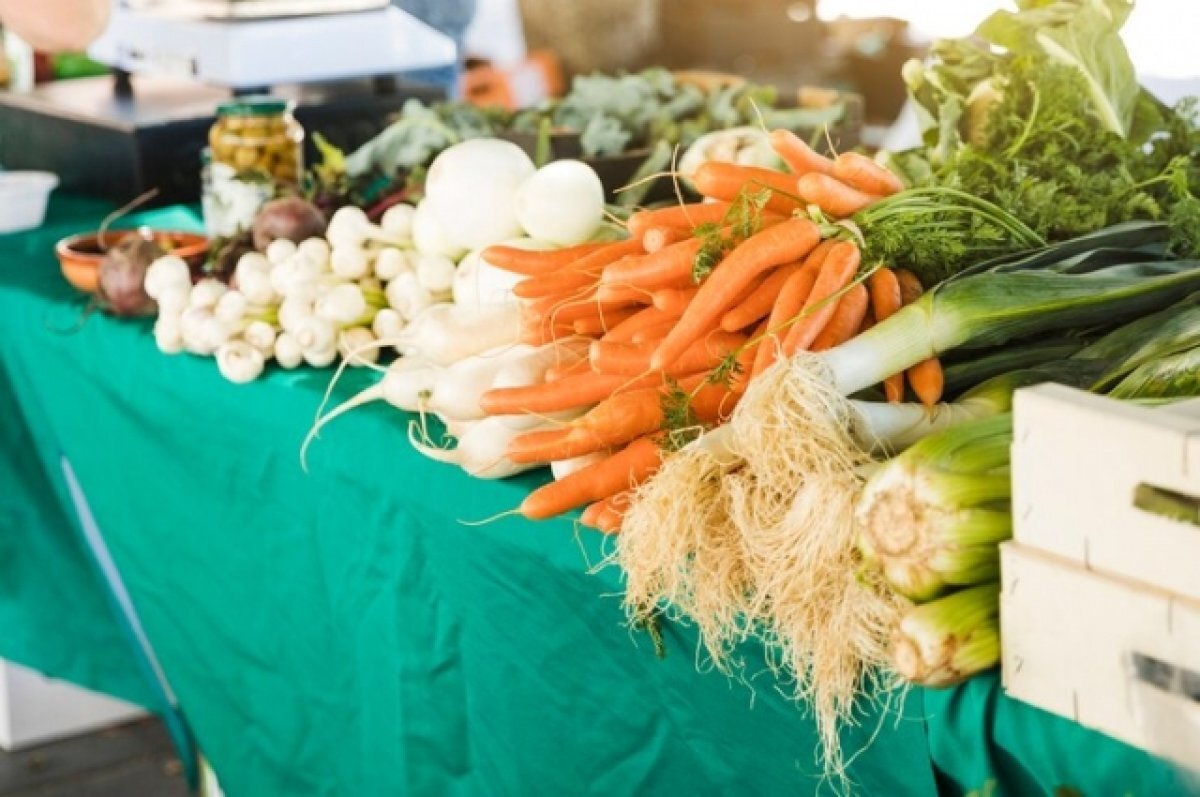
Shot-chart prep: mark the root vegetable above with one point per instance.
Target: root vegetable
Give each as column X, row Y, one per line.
column 562, row 202
column 355, row 346
column 166, row 273
column 291, row 218
column 287, row 351
column 407, row 296
column 121, row 283
column 167, row 334
column 239, row 362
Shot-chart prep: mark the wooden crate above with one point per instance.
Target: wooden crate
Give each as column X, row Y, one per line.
column 1082, row 465
column 1110, row 653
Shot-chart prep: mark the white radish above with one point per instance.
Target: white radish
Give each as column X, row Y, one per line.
column 191, row 322
column 287, row 351
column 214, row 333
column 343, row 304
column 477, row 282
column 562, row 202
column 444, row 334
column 280, row 250
column 397, row 221
column 168, row 335
column 459, row 386
column 207, row 292
column 355, row 346
column 480, row 451
column 319, row 358
column 239, row 362
column 231, row 307
column 316, row 335
column 407, row 296
column 387, row 324
column 429, row 237
column 253, row 261
column 257, row 287
column 562, row 468
column 174, row 299
column 435, row 273
column 166, row 273
column 293, row 311
column 314, row 249
column 391, row 262
column 469, row 190
column 261, row 336
column 349, row 262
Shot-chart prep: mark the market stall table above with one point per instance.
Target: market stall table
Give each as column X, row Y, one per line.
column 344, row 631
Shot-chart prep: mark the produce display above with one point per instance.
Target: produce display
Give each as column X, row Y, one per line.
column 788, row 391
column 603, row 116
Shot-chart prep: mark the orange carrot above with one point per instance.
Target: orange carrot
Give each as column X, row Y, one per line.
column 656, row 238
column 563, row 370
column 674, row 301
column 757, row 304
column 627, row 468
column 593, row 512
column 778, row 244
column 799, row 156
column 618, row 420
column 647, row 317
column 578, row 390
column 744, row 370
column 578, row 275
column 701, row 355
column 541, row 334
column 663, row 269
column 611, row 423
column 532, row 262
column 612, row 511
column 833, row 196
column 596, row 325
column 788, row 305
column 838, row 270
column 927, row 381
column 652, row 334
column 925, row 378
column 726, row 180
column 886, row 299
column 685, row 217
column 571, row 310
column 847, row 319
column 859, row 171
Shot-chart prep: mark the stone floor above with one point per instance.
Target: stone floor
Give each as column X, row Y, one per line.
column 132, row 760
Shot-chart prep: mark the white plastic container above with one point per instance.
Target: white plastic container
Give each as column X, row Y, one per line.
column 23, row 198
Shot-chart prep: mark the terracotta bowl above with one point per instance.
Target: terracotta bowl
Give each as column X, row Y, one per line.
column 80, row 255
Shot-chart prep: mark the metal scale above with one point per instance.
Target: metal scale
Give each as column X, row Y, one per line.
column 347, row 64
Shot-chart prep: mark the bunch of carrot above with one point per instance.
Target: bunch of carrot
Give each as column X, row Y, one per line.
column 684, row 313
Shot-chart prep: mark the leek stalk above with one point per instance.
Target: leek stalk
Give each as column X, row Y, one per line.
column 948, row 640
column 991, row 309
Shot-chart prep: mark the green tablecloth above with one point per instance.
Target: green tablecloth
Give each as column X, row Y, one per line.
column 342, row 632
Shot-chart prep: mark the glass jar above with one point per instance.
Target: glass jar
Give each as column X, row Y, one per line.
column 229, row 202
column 259, row 139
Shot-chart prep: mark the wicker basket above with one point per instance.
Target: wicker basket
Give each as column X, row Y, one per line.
column 594, row 35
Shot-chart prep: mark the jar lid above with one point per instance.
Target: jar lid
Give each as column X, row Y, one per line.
column 258, row 105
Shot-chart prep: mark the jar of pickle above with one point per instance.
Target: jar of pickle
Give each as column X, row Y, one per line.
column 259, row 138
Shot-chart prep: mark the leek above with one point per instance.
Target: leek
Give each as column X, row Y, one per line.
column 948, row 640
column 980, row 366
column 931, row 518
column 1174, row 376
column 991, row 309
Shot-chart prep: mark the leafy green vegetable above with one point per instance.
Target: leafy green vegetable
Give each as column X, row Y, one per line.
column 1084, row 35
column 1042, row 115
